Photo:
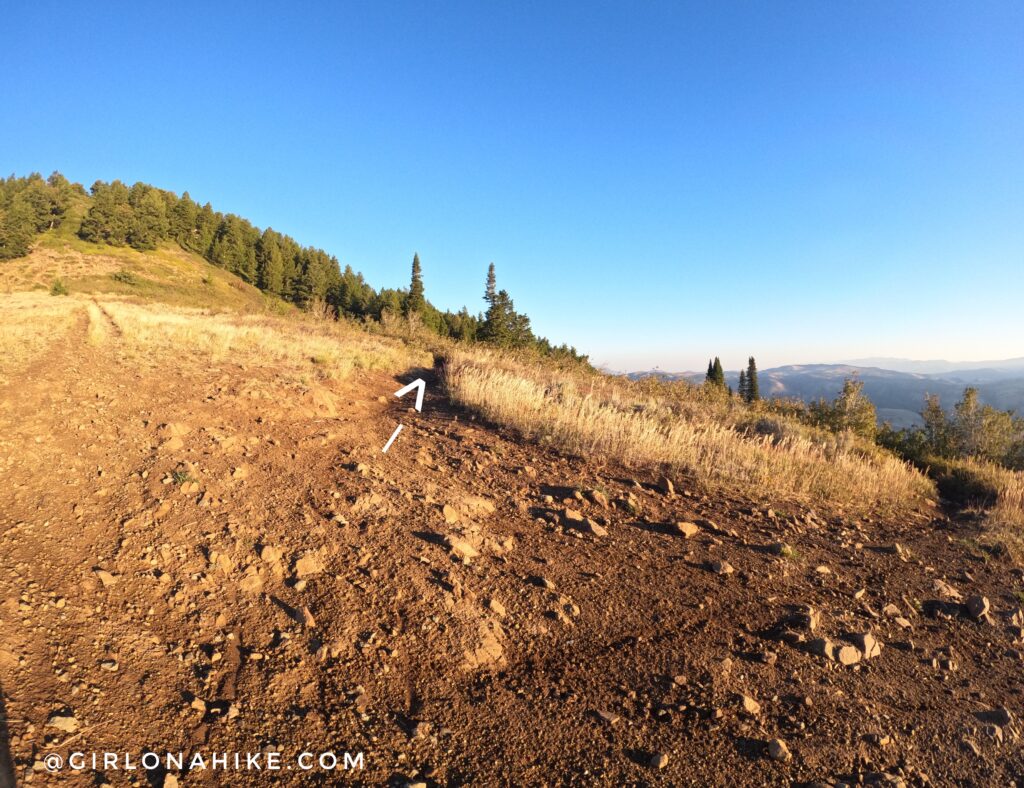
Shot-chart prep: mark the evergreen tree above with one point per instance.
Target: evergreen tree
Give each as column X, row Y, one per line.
column 709, row 376
column 416, row 301
column 752, row 393
column 719, row 373
column 269, row 263
column 489, row 290
column 742, row 387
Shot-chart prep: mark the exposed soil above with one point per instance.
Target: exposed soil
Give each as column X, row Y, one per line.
column 208, row 558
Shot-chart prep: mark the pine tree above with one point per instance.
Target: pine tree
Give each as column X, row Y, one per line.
column 489, row 291
column 709, row 377
column 416, row 301
column 269, row 263
column 742, row 387
column 719, row 373
column 753, row 392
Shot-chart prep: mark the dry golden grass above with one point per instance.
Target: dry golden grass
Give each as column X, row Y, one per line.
column 325, row 349
column 1002, row 509
column 608, row 419
column 29, row 323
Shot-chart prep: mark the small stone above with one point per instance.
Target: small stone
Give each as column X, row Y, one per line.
column 659, row 760
column 822, row 647
column 62, row 722
column 722, row 568
column 306, row 616
column 450, row 514
column 496, row 607
column 271, row 555
column 610, row 717
column 686, row 529
column 977, row 606
column 848, row 655
column 778, row 751
column 309, row 565
column 665, row 487
column 750, row 706
column 110, row 664
column 105, row 577
column 199, row 705
column 868, row 644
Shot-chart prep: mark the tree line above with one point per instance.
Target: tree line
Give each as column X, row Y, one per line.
column 143, row 217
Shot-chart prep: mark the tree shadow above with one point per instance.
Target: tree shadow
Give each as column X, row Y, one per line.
column 6, row 761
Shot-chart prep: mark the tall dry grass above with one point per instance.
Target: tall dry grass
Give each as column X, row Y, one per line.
column 324, row 348
column 608, row 419
column 996, row 494
column 30, row 322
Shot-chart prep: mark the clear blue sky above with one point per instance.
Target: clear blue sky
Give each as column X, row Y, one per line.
column 655, row 182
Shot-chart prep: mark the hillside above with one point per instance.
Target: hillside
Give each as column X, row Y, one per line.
column 203, row 548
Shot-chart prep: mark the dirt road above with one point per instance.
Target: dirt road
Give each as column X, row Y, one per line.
column 203, row 558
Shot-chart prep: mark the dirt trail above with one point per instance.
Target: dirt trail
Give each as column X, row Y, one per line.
column 206, row 558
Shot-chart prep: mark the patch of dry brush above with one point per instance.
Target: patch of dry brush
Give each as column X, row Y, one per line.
column 611, row 419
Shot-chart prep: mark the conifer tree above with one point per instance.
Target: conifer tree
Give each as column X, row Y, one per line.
column 709, row 376
column 489, row 290
column 742, row 387
column 719, row 373
column 416, row 301
column 753, row 392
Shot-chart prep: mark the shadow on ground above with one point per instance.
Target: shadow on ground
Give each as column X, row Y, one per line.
column 6, row 762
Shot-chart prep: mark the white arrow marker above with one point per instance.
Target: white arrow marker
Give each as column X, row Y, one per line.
column 416, row 384
column 391, row 440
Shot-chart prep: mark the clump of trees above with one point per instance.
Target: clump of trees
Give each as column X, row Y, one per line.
column 971, row 431
column 143, row 217
column 29, row 206
column 851, row 411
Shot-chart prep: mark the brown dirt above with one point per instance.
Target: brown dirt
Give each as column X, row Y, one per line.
column 394, row 648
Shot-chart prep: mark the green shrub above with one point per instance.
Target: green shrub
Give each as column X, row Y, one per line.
column 58, row 288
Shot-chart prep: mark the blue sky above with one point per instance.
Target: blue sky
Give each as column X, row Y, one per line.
column 655, row 182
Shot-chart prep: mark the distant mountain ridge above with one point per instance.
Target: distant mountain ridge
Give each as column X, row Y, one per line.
column 898, row 395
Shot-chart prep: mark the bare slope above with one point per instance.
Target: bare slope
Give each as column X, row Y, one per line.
column 203, row 552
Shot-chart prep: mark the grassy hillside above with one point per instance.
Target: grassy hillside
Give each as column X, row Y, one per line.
column 168, row 274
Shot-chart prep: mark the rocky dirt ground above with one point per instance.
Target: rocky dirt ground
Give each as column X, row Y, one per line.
column 203, row 558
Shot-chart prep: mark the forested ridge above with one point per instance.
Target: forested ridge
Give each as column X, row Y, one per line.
column 143, row 216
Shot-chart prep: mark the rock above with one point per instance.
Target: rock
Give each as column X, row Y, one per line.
column 610, row 717
column 450, row 514
column 306, row 617
column 109, row 664
column 572, row 517
column 722, row 568
column 461, row 548
column 750, row 706
column 199, row 705
column 309, row 565
column 686, row 529
column 781, row 549
column 665, row 486
column 271, row 555
column 971, row 747
column 599, row 498
column 63, row 722
column 868, row 644
column 252, row 581
column 543, row 582
column 946, row 591
column 977, row 606
column 496, row 607
column 659, row 760
column 170, row 781
column 778, row 751
column 241, row 472
column 105, row 578
column 848, row 655
column 575, row 520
